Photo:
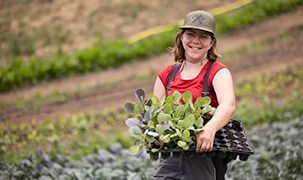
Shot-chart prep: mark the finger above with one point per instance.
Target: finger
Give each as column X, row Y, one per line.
column 203, row 147
column 209, row 147
column 198, row 145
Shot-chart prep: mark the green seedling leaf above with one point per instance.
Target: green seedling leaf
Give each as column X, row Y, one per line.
column 139, row 109
column 159, row 129
column 172, row 124
column 178, row 132
column 199, row 122
column 181, row 124
column 180, row 110
column 135, row 131
column 131, row 122
column 155, row 101
column 189, row 121
column 177, row 97
column 133, row 150
column 202, row 101
column 165, row 138
column 129, row 108
column 149, row 138
column 181, row 143
column 151, row 125
column 198, row 113
column 169, row 99
column 186, row 133
column 173, row 135
column 186, row 147
column 168, row 108
column 163, row 117
column 187, row 97
column 192, row 106
column 154, row 150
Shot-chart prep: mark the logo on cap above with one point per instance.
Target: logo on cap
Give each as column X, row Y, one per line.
column 198, row 18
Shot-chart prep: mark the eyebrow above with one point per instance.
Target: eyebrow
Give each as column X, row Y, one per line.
column 202, row 32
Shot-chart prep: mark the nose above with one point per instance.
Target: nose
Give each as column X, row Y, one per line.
column 196, row 39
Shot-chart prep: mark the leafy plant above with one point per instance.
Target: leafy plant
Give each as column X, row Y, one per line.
column 116, row 52
column 166, row 124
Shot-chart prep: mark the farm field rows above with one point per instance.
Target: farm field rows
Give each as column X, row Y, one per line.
column 80, row 117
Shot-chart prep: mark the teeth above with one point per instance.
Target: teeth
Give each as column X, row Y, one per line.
column 195, row 48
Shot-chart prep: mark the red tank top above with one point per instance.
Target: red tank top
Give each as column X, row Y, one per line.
column 195, row 85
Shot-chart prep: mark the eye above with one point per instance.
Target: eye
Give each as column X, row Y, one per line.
column 204, row 36
column 190, row 34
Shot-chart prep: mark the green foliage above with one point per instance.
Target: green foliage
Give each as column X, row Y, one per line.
column 270, row 111
column 166, row 124
column 116, row 52
column 274, row 84
column 258, row 11
column 75, row 135
column 278, row 152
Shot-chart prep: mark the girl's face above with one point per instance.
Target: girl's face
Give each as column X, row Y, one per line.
column 196, row 44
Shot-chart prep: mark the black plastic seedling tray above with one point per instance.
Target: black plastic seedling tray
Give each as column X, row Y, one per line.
column 230, row 142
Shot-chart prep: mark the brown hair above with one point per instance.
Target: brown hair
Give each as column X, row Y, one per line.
column 179, row 51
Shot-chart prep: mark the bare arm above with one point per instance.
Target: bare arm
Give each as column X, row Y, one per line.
column 159, row 89
column 223, row 86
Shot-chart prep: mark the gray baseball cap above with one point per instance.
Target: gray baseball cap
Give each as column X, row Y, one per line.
column 201, row 20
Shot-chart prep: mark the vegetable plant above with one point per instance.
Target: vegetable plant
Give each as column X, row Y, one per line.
column 168, row 124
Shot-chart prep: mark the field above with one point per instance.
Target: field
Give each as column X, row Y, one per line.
column 72, row 120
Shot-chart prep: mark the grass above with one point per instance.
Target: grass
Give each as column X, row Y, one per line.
column 37, row 99
column 116, row 52
column 84, row 133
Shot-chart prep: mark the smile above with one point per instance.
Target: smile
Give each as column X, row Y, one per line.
column 195, row 48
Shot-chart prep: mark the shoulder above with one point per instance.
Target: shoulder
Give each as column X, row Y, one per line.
column 219, row 65
column 164, row 73
column 167, row 69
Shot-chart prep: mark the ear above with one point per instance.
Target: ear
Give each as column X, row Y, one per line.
column 212, row 43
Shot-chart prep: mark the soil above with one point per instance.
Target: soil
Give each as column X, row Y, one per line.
column 54, row 25
column 242, row 66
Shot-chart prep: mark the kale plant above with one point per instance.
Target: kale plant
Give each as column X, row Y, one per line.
column 167, row 124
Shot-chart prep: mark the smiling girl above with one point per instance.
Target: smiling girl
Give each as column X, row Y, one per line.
column 195, row 51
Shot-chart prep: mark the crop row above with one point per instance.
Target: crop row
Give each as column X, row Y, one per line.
column 277, row 147
column 247, row 88
column 274, row 84
column 80, row 129
column 84, row 130
column 79, row 136
column 117, row 52
column 278, row 153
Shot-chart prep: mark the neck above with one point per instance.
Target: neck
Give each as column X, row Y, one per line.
column 197, row 63
column 202, row 61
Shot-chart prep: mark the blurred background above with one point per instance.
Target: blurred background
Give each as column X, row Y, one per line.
column 68, row 68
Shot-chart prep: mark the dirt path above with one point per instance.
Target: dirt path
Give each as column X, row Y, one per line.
column 277, row 55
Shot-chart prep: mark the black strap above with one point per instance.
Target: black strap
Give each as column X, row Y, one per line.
column 173, row 72
column 205, row 91
column 171, row 76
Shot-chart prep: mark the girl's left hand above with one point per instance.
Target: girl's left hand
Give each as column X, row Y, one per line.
column 205, row 139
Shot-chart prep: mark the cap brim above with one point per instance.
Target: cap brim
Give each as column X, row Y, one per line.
column 191, row 27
